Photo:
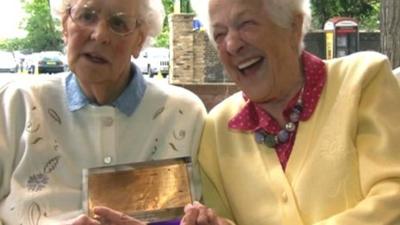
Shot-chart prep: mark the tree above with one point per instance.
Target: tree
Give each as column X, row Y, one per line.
column 169, row 6
column 390, row 30
column 13, row 44
column 185, row 6
column 163, row 39
column 365, row 11
column 40, row 26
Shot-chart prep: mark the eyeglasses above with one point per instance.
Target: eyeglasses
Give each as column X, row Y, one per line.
column 119, row 23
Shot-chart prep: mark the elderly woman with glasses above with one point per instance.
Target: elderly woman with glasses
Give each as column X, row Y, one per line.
column 307, row 141
column 102, row 113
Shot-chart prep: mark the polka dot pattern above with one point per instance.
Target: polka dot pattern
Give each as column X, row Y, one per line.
column 252, row 117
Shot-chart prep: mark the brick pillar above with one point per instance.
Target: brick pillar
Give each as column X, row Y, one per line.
column 199, row 52
column 181, row 48
column 213, row 70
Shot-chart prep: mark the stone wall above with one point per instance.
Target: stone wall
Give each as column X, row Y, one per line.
column 181, row 49
column 199, row 56
column 211, row 93
column 194, row 62
column 213, row 71
column 193, row 58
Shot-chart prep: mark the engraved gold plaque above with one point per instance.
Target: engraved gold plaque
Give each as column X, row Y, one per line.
column 149, row 191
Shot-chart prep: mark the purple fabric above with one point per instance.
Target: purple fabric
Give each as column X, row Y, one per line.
column 168, row 222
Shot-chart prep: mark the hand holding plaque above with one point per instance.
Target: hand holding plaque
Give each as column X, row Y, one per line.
column 150, row 191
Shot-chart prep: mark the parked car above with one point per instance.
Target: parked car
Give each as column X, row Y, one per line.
column 8, row 64
column 46, row 62
column 153, row 60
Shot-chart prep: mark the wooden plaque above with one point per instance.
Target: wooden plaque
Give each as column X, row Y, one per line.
column 150, row 191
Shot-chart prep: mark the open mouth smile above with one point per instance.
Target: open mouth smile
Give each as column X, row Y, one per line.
column 250, row 65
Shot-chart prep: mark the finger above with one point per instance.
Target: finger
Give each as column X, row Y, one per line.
column 106, row 215
column 197, row 204
column 82, row 220
column 212, row 217
column 202, row 218
column 187, row 207
column 114, row 216
column 190, row 216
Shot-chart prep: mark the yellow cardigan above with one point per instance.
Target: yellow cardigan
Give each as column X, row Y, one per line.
column 345, row 165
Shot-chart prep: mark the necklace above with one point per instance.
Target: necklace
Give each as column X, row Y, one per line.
column 283, row 135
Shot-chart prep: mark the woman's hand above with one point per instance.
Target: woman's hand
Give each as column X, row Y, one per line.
column 108, row 216
column 198, row 214
column 81, row 220
column 105, row 216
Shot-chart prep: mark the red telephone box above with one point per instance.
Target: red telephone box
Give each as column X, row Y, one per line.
column 341, row 35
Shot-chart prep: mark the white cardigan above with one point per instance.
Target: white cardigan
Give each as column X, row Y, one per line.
column 44, row 146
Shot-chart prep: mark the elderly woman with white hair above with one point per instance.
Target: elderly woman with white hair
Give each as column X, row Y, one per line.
column 307, row 141
column 102, row 113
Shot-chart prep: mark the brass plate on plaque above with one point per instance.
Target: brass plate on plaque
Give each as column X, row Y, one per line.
column 153, row 191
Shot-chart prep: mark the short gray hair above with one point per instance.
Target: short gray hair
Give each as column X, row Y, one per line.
column 151, row 12
column 281, row 13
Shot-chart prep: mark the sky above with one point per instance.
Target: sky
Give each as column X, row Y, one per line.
column 11, row 14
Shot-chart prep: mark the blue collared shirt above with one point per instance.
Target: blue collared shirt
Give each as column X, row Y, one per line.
column 127, row 102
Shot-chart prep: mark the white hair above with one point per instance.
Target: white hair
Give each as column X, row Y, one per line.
column 152, row 14
column 281, row 12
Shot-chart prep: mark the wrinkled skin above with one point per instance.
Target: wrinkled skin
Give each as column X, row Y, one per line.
column 104, row 216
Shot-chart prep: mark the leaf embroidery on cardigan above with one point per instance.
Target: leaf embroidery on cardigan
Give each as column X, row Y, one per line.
column 31, row 128
column 54, row 115
column 180, row 135
column 55, row 146
column 34, row 213
column 51, row 164
column 37, row 182
column 173, row 146
column 158, row 112
column 36, row 140
column 155, row 148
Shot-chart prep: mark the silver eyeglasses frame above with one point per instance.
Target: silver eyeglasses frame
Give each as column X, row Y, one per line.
column 86, row 16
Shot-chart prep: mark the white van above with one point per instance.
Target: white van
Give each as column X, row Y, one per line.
column 153, row 60
column 8, row 64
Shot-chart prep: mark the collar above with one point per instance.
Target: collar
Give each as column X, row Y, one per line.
column 252, row 117
column 127, row 102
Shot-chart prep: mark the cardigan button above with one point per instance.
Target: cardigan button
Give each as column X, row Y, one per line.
column 108, row 121
column 107, row 160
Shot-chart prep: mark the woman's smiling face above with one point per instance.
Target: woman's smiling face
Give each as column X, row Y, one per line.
column 258, row 54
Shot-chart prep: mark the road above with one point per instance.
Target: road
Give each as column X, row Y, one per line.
column 7, row 76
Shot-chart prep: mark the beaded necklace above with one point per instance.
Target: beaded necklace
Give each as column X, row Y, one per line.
column 271, row 140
